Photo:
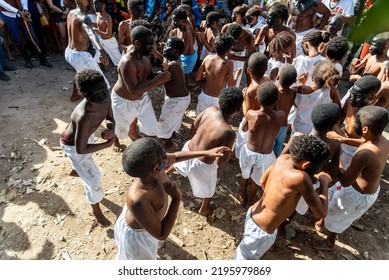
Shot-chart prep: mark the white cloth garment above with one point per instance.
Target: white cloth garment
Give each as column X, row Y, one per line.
column 205, row 101
column 86, row 168
column 134, row 244
column 202, row 176
column 170, row 120
column 111, row 47
column 255, row 241
column 125, row 111
column 302, row 206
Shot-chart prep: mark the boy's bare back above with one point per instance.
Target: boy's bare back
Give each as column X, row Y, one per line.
column 218, row 71
column 263, row 127
column 283, row 186
column 212, row 131
column 176, row 87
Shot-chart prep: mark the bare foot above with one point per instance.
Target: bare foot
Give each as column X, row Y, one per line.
column 243, row 200
column 319, row 225
column 101, row 219
column 323, row 245
column 75, row 98
column 74, row 173
column 208, row 212
column 119, row 148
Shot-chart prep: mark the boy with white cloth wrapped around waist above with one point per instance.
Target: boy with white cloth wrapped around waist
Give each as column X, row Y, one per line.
column 284, row 183
column 104, row 33
column 361, row 178
column 77, row 140
column 147, row 218
column 324, row 117
column 210, row 129
column 257, row 155
column 218, row 73
column 135, row 77
column 177, row 97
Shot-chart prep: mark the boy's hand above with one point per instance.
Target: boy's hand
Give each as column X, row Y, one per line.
column 171, row 188
column 217, row 152
column 164, row 77
column 104, row 58
column 107, row 134
column 303, row 79
column 323, row 177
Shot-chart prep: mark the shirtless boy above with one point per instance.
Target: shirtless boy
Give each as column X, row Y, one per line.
column 135, row 9
column 147, row 218
column 304, row 19
column 357, row 97
column 372, row 63
column 257, row 154
column 278, row 14
column 80, row 31
column 210, row 129
column 177, row 97
column 284, row 183
column 242, row 48
column 77, row 140
column 286, row 96
column 324, row 117
column 218, row 73
column 189, row 55
column 360, row 182
column 256, row 68
column 208, row 37
column 104, row 33
column 135, row 78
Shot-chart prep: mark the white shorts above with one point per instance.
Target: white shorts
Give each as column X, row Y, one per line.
column 254, row 164
column 302, row 206
column 205, row 101
column 238, row 64
column 345, row 205
column 255, row 241
column 134, row 244
column 125, row 112
column 299, row 39
column 81, row 61
column 347, row 154
column 170, row 120
column 202, row 176
column 111, row 47
column 241, row 138
column 87, row 170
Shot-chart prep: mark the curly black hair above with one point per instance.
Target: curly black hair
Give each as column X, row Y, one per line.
column 267, row 94
column 223, row 43
column 337, row 48
column 310, row 148
column 140, row 33
column 325, row 116
column 316, row 37
column 288, row 75
column 367, row 85
column 235, row 30
column 140, row 22
column 281, row 42
column 281, row 10
column 179, row 13
column 230, row 100
column 257, row 64
column 211, row 18
column 91, row 82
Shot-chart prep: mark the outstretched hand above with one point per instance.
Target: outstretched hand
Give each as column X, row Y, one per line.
column 217, row 152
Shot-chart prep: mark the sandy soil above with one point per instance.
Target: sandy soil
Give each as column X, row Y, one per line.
column 44, row 214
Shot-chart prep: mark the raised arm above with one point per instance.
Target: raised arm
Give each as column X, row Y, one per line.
column 87, row 26
column 145, row 215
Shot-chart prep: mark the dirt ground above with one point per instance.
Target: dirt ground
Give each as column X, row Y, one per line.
column 44, row 214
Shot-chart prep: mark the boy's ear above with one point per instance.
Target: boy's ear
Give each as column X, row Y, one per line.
column 365, row 129
column 305, row 164
column 248, row 70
